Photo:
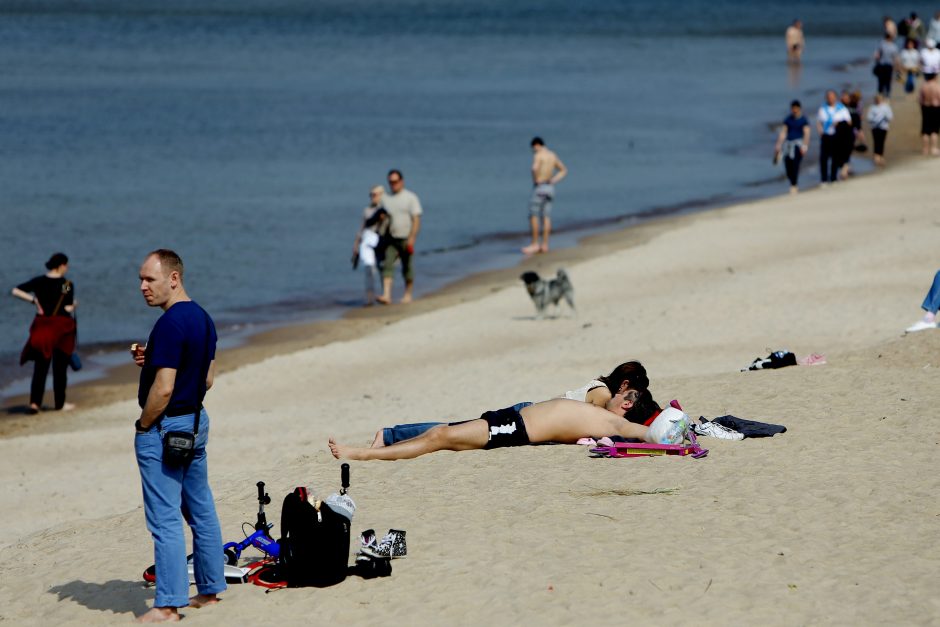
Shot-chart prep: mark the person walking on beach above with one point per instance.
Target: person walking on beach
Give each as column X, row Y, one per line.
column 930, row 114
column 847, row 135
column 879, row 119
column 547, row 171
column 909, row 59
column 886, row 61
column 930, row 306
column 830, row 114
column 933, row 31
column 177, row 368
column 890, row 27
column 793, row 143
column 404, row 210
column 795, row 42
column 52, row 334
column 368, row 248
column 930, row 58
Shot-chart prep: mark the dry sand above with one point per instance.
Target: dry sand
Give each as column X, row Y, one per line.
column 832, row 522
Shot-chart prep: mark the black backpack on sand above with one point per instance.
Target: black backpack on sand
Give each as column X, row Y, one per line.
column 314, row 543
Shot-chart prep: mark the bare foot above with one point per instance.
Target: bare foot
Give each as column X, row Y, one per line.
column 382, row 300
column 345, row 452
column 202, row 600
column 379, row 440
column 33, row 409
column 405, row 299
column 543, row 248
column 67, row 407
column 159, row 615
column 531, row 249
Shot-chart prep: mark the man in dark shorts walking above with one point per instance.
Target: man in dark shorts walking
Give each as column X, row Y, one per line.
column 930, row 114
column 177, row 367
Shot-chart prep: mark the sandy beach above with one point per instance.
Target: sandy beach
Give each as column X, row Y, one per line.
column 829, row 523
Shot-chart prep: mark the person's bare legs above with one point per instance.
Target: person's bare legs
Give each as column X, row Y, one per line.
column 546, row 230
column 461, row 437
column 386, row 297
column 379, row 440
column 926, row 141
column 159, row 615
column 534, row 227
column 202, row 600
column 934, row 149
column 409, row 288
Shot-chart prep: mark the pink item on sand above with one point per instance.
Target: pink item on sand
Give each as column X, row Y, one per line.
column 644, row 449
column 813, row 359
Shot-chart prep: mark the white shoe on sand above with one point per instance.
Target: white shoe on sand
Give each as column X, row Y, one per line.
column 921, row 325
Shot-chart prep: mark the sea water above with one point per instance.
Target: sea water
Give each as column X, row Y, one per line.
column 245, row 134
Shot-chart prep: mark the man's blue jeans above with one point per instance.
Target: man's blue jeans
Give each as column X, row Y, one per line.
column 932, row 301
column 170, row 494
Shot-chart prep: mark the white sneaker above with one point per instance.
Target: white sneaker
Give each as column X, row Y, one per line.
column 921, row 325
column 715, row 430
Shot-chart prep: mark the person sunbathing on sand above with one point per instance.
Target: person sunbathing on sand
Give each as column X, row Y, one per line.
column 629, row 376
column 558, row 420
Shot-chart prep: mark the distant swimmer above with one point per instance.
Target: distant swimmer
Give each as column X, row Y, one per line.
column 547, row 171
column 795, row 42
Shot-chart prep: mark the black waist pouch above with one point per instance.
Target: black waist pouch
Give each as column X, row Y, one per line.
column 179, row 447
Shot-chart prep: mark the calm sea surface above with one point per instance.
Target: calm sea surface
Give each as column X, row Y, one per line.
column 245, row 134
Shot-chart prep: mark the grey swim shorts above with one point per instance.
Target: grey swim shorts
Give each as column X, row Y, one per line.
column 540, row 204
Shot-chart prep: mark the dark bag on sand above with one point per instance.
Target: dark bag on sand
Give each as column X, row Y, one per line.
column 314, row 543
column 777, row 359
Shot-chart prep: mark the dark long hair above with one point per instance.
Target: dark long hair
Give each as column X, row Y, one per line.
column 634, row 375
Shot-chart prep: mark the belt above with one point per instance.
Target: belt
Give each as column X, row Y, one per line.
column 183, row 411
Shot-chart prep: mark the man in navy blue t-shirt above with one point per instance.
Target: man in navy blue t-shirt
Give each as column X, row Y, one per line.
column 177, row 367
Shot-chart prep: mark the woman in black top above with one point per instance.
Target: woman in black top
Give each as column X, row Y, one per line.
column 52, row 334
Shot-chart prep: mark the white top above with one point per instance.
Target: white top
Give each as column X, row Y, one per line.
column 401, row 208
column 581, row 393
column 830, row 116
column 910, row 59
column 367, row 244
column 880, row 115
column 930, row 61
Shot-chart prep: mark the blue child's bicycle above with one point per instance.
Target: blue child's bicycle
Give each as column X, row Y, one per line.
column 260, row 538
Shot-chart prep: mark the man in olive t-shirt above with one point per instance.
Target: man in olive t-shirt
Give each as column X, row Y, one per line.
column 404, row 209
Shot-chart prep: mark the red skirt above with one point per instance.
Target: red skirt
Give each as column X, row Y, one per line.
column 49, row 333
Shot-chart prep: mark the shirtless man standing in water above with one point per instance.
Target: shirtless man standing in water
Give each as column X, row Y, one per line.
column 795, row 42
column 930, row 112
column 547, row 170
column 558, row 420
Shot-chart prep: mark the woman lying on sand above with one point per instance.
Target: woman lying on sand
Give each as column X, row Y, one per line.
column 559, row 420
column 629, row 376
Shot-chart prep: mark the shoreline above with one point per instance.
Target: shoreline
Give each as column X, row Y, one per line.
column 119, row 383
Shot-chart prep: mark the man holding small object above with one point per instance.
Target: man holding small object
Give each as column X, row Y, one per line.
column 177, row 367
